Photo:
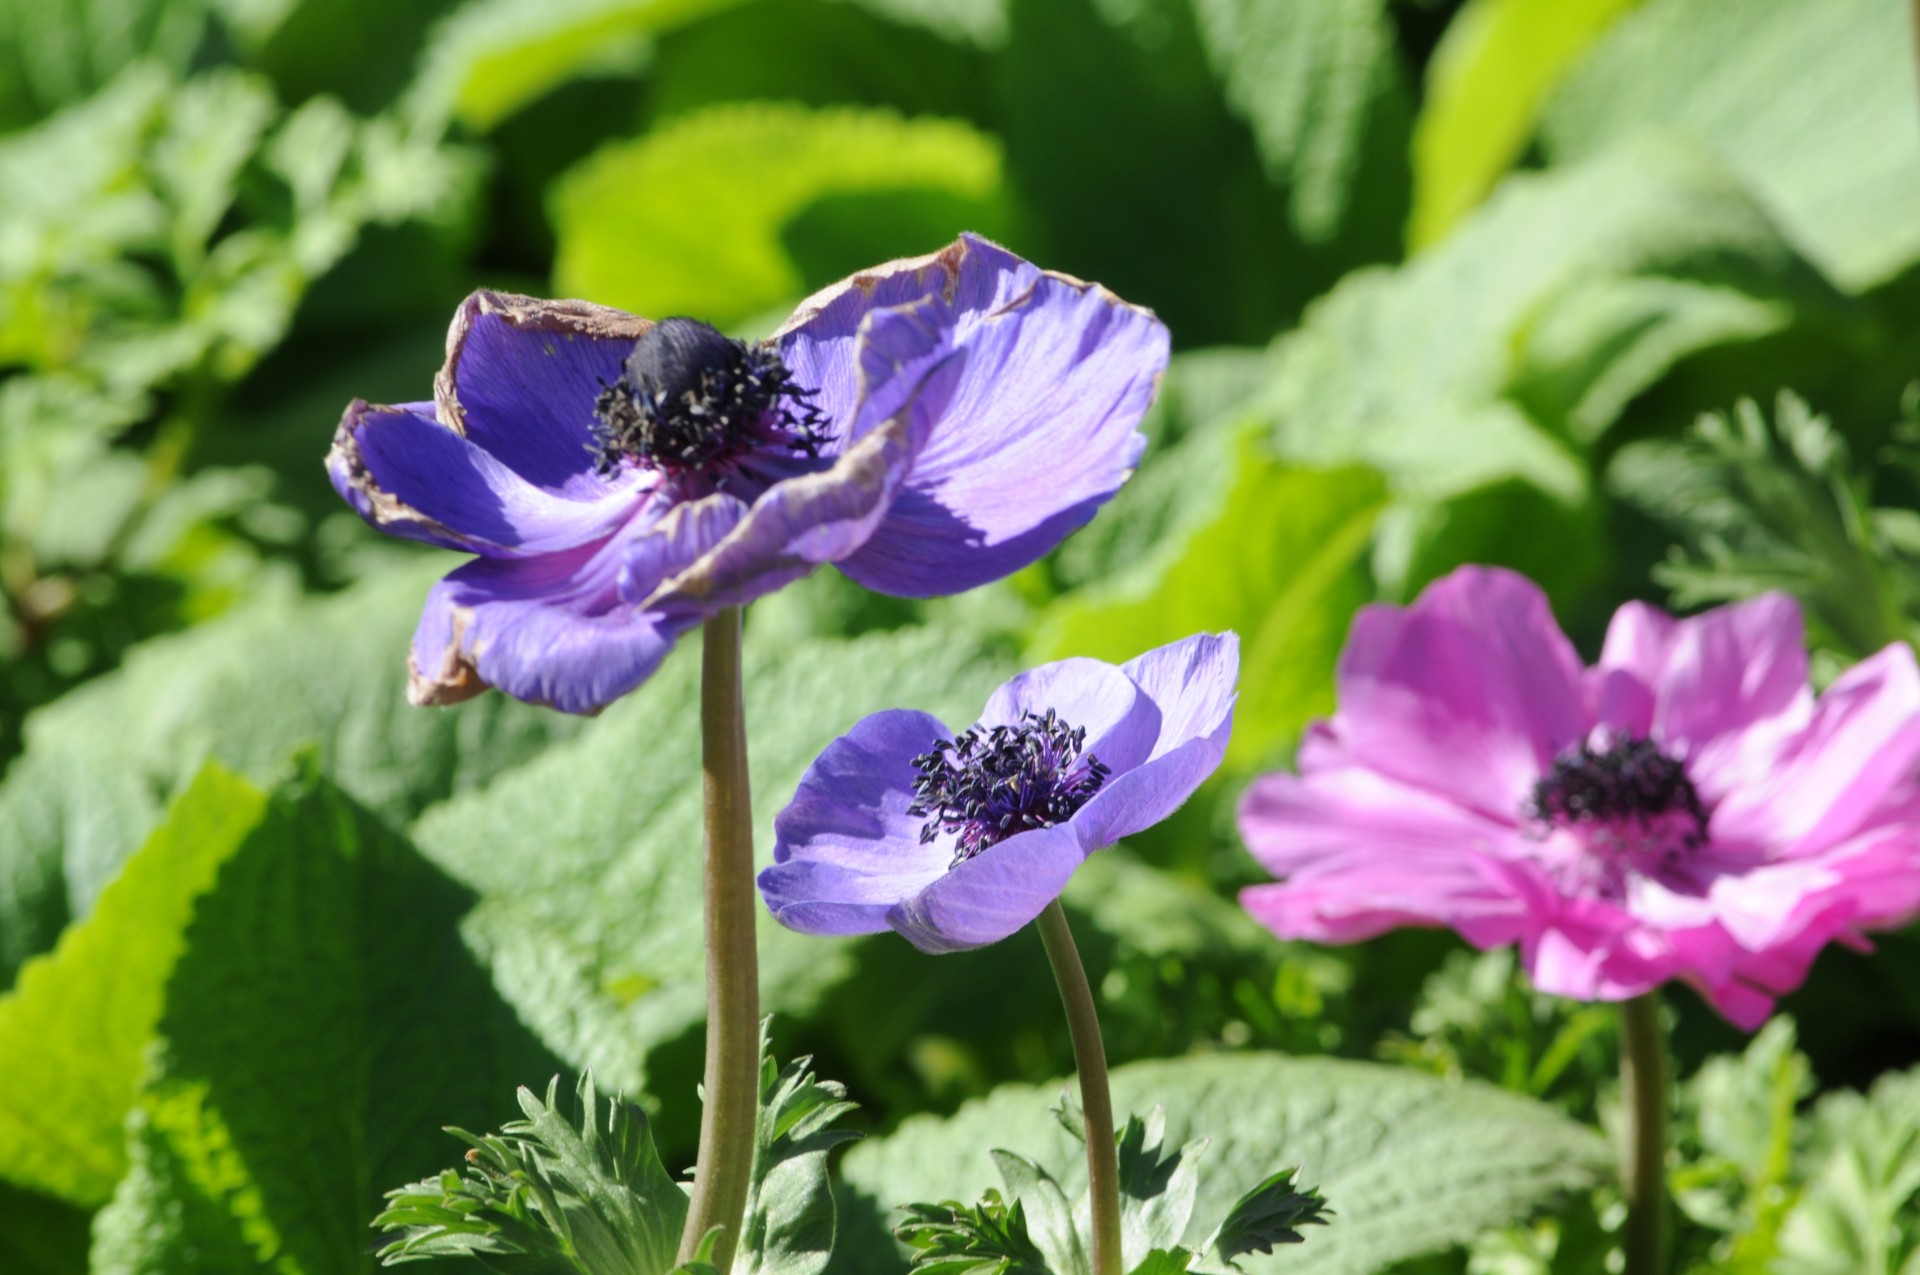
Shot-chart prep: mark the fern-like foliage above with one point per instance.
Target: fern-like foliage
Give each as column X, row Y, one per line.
column 542, row 1197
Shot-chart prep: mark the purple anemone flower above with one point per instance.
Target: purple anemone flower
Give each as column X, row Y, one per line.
column 957, row 839
column 927, row 426
column 1684, row 809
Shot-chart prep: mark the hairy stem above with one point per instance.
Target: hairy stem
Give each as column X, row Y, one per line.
column 1090, row 1061
column 733, row 976
column 1643, row 1166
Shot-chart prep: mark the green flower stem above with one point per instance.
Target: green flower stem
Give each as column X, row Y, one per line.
column 1643, row 1166
column 1090, row 1061
column 733, row 977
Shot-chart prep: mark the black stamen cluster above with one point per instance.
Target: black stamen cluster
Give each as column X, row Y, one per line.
column 1627, row 780
column 987, row 784
column 691, row 400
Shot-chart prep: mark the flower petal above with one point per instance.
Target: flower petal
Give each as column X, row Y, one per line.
column 1362, row 854
column 1728, row 685
column 1468, row 693
column 1041, row 431
column 908, row 370
column 992, row 894
column 845, row 849
column 520, row 381
column 1190, row 683
column 1120, row 722
column 1863, row 739
column 554, row 629
column 411, row 476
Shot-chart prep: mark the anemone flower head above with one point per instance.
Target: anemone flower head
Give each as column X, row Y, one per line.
column 1684, row 809
column 928, row 425
column 958, row 838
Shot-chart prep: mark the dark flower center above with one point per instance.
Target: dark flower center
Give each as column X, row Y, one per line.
column 990, row 783
column 1625, row 785
column 691, row 400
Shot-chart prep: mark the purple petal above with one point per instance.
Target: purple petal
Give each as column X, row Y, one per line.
column 521, row 377
column 1191, row 683
column 1041, row 430
column 1120, row 722
column 845, row 849
column 1468, row 693
column 555, row 629
column 410, row 476
column 992, row 894
column 819, row 341
column 802, row 522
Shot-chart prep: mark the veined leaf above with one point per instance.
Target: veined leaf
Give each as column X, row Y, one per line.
column 1410, row 1163
column 322, row 1021
column 664, row 225
column 489, row 58
column 1809, row 101
column 1487, row 82
column 74, row 1030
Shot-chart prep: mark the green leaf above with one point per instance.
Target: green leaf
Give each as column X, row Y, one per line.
column 663, row 225
column 1737, row 1132
column 1779, row 505
column 56, row 52
column 587, row 857
column 320, row 1023
column 1157, row 1187
column 1809, row 101
column 1372, row 1137
column 489, row 58
column 1862, row 1199
column 74, row 1029
column 247, row 689
column 988, row 1238
column 542, row 1196
column 789, row 1219
column 1269, row 1214
column 1051, row 1219
column 1493, row 72
column 1534, row 325
column 1311, row 78
column 1280, row 560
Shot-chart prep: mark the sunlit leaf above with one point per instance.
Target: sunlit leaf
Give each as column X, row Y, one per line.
column 1488, row 80
column 665, row 225
column 1410, row 1164
column 1811, row 102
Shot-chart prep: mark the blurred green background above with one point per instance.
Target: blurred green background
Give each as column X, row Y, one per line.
column 1447, row 283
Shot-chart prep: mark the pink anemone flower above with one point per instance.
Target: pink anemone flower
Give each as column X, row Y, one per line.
column 1684, row 809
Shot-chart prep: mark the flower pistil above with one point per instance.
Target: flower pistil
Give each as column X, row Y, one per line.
column 1632, row 803
column 691, row 401
column 989, row 783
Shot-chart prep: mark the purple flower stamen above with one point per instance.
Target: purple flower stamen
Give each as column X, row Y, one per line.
column 990, row 783
column 691, row 401
column 1626, row 779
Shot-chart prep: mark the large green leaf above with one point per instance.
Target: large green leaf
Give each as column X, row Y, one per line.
column 1534, row 325
column 321, row 1023
column 73, row 1032
column 1811, row 102
column 1312, row 79
column 489, row 58
column 665, row 225
column 1486, row 84
column 1135, row 168
column 248, row 690
column 1409, row 1164
column 587, row 858
column 1280, row 562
